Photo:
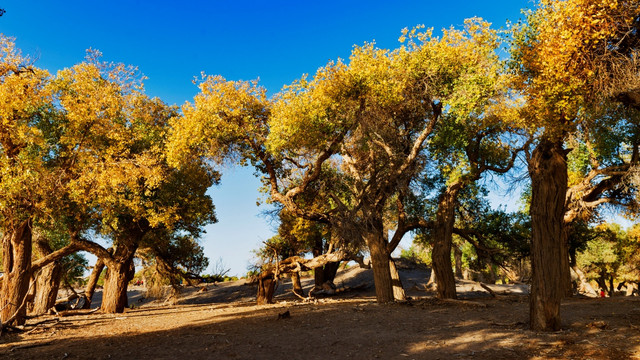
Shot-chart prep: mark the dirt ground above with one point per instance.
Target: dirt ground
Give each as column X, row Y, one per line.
column 223, row 323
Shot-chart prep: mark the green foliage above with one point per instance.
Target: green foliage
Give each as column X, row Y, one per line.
column 611, row 252
column 417, row 253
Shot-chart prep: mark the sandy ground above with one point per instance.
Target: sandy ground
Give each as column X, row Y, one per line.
column 223, row 323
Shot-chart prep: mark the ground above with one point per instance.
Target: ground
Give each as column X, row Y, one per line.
column 223, row 323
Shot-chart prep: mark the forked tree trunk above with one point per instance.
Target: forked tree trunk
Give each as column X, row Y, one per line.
column 91, row 284
column 47, row 285
column 17, row 248
column 380, row 263
column 398, row 289
column 548, row 172
column 119, row 273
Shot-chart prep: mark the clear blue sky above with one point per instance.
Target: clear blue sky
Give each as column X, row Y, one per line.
column 277, row 41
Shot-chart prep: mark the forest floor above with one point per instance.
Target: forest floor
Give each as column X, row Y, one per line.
column 223, row 322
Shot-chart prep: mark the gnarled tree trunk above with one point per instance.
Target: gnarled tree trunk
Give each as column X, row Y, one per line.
column 266, row 288
column 377, row 245
column 443, row 237
column 119, row 272
column 548, row 172
column 47, row 280
column 17, row 248
column 47, row 285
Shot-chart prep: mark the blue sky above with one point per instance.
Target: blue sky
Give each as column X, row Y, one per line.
column 277, row 41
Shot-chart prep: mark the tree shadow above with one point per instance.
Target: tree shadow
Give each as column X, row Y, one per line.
column 354, row 329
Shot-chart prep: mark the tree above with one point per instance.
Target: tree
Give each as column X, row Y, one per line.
column 368, row 121
column 24, row 102
column 110, row 140
column 558, row 57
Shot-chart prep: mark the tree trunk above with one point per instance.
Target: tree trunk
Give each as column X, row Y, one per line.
column 458, row 257
column 266, row 288
column 17, row 248
column 443, row 236
column 91, row 284
column 318, row 273
column 398, row 289
column 611, row 288
column 432, row 279
column 47, row 285
column 330, row 270
column 296, row 284
column 548, row 172
column 583, row 286
column 380, row 263
column 119, row 272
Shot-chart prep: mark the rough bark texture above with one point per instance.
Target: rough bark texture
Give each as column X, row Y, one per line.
column 398, row 289
column 548, row 172
column 380, row 263
column 296, row 284
column 47, row 285
column 458, row 257
column 443, row 235
column 91, row 284
column 17, row 248
column 268, row 276
column 266, row 288
column 47, row 279
column 119, row 272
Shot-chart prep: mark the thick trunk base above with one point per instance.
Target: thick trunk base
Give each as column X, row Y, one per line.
column 114, row 297
column 266, row 288
column 47, row 285
column 549, row 255
column 381, row 269
column 17, row 248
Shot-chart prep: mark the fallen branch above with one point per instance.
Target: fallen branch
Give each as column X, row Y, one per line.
column 73, row 312
column 493, row 293
column 30, row 346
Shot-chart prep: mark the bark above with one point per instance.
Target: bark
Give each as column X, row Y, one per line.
column 458, row 257
column 119, row 272
column 17, row 248
column 432, row 279
column 326, row 273
column 548, row 172
column 47, row 279
column 47, row 285
column 611, row 288
column 443, row 235
column 296, row 284
column 380, row 263
column 267, row 278
column 583, row 286
column 318, row 273
column 91, row 284
column 330, row 270
column 398, row 289
column 266, row 288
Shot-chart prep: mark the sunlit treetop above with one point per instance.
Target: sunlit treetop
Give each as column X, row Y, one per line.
column 557, row 54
